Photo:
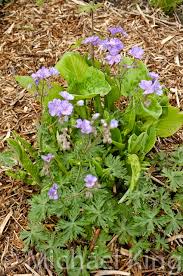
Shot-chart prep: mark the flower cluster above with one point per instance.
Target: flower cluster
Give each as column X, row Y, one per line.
column 60, row 108
column 151, row 86
column 44, row 73
column 114, row 46
column 84, row 125
column 117, row 30
column 53, row 192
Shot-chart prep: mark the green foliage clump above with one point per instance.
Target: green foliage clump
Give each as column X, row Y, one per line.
column 90, row 163
column 167, row 6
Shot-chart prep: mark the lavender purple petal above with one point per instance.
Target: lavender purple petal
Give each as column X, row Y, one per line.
column 113, row 59
column 59, row 107
column 84, row 126
column 53, row 192
column 67, row 96
column 117, row 30
column 94, row 40
column 47, row 158
column 113, row 123
column 90, row 181
column 136, row 52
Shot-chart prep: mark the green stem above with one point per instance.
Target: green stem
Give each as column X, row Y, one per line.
column 124, row 196
column 61, row 165
column 78, row 175
column 82, row 111
column 92, row 26
column 98, row 105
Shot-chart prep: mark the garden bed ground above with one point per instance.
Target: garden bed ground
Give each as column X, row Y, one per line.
column 32, row 36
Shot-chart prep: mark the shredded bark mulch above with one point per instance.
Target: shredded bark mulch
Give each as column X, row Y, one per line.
column 32, row 36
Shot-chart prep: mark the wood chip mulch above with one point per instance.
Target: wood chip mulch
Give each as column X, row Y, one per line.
column 32, row 36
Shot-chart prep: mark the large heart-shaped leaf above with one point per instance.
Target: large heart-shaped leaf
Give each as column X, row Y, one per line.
column 72, row 66
column 171, row 123
column 84, row 81
column 94, row 83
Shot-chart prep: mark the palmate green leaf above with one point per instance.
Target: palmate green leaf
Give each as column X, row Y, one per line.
column 39, row 208
column 99, row 212
column 174, row 178
column 115, row 166
column 170, row 123
column 147, row 221
column 35, row 236
column 72, row 227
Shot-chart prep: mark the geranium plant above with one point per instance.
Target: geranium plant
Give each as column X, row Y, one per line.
column 88, row 162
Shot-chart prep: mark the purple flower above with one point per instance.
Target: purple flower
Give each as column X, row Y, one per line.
column 80, row 103
column 103, row 44
column 136, row 52
column 157, row 88
column 44, row 73
column 150, row 87
column 47, row 158
column 153, row 75
column 95, row 116
column 53, row 192
column 117, row 30
column 54, row 71
column 84, row 125
column 113, row 123
column 79, row 123
column 113, row 59
column 54, row 107
column 58, row 108
column 66, row 95
column 90, row 181
column 147, row 86
column 94, row 40
column 114, row 46
column 66, row 108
